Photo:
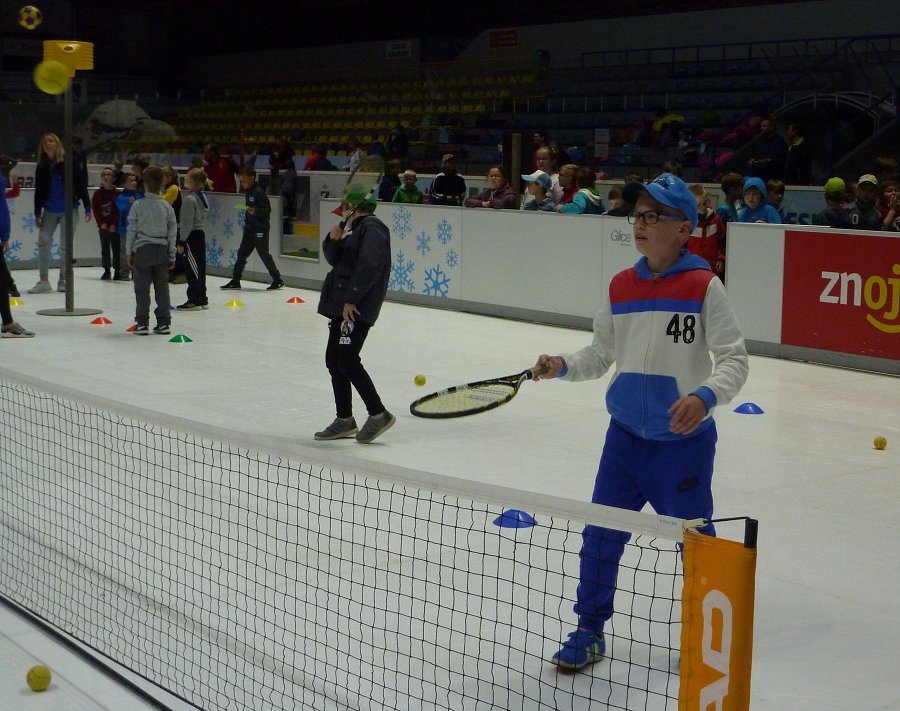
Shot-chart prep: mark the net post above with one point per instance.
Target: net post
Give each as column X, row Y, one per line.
column 751, row 528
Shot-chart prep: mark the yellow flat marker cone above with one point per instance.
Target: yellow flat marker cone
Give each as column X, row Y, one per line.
column 296, row 300
column 101, row 321
column 15, row 302
column 235, row 304
column 180, row 338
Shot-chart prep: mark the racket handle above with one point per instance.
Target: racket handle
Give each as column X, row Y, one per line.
column 537, row 370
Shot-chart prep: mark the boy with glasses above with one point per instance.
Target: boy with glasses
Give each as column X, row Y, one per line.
column 659, row 323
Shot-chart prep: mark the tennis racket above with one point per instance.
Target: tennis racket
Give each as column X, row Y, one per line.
column 367, row 176
column 472, row 398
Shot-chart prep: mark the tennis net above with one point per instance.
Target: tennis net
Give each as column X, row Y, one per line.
column 256, row 575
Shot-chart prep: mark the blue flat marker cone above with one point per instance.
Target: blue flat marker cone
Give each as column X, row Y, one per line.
column 749, row 408
column 513, row 518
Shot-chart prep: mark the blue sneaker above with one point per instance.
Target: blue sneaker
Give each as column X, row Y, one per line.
column 583, row 647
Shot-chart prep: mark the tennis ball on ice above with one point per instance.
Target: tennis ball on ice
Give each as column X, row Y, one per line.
column 419, row 380
column 880, row 442
column 38, row 678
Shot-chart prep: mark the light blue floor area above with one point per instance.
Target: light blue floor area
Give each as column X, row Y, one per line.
column 827, row 625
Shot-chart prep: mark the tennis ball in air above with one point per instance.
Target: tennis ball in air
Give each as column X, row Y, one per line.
column 51, row 77
column 419, row 380
column 38, row 678
column 880, row 442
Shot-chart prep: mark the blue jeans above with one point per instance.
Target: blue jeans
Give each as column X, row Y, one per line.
column 674, row 477
column 49, row 222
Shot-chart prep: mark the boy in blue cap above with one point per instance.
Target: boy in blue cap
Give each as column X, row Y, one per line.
column 660, row 321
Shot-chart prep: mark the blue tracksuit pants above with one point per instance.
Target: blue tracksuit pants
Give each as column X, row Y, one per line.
column 674, row 476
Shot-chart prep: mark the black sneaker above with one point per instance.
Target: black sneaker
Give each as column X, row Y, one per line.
column 161, row 329
column 141, row 331
column 341, row 427
column 13, row 290
column 189, row 306
column 375, row 426
column 276, row 284
column 233, row 284
column 105, row 276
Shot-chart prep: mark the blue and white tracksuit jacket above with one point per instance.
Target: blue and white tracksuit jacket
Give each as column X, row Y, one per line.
column 660, row 331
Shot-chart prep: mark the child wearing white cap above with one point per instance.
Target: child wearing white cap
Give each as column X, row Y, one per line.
column 538, row 187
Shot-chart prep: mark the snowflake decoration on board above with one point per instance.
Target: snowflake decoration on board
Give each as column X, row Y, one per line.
column 444, row 232
column 423, row 243
column 232, row 257
column 55, row 250
column 214, row 252
column 401, row 274
column 452, row 258
column 241, row 219
column 402, row 222
column 28, row 222
column 228, row 228
column 437, row 283
column 11, row 205
column 215, row 211
column 12, row 251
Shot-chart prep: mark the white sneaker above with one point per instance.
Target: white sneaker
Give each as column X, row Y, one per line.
column 42, row 287
column 14, row 330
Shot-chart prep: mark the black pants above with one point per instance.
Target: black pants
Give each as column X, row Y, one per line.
column 109, row 250
column 195, row 267
column 345, row 341
column 5, row 281
column 260, row 242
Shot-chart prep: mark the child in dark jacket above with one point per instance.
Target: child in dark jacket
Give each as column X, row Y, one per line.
column 103, row 205
column 256, row 231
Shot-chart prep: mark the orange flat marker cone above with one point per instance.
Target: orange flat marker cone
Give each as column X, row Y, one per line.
column 131, row 328
column 180, row 338
column 296, row 300
column 101, row 321
column 234, row 304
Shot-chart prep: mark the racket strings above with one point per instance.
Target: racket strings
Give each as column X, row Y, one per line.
column 466, row 399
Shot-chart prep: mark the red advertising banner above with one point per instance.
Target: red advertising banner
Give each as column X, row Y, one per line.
column 504, row 38
column 717, row 624
column 842, row 293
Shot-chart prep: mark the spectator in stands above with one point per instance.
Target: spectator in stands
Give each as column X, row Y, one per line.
column 775, row 190
column 398, row 142
column 885, row 168
column 103, row 205
column 889, row 203
column 834, row 214
column 567, row 183
column 707, row 240
column 390, row 181
column 256, row 231
column 409, row 192
column 538, row 140
column 674, row 167
column 220, row 169
column 498, row 194
column 616, row 202
column 319, row 160
column 50, row 198
column 862, row 212
column 546, row 162
column 448, row 187
column 284, row 174
column 767, row 153
column 355, row 152
column 798, row 164
column 756, row 209
column 538, row 186
column 732, row 184
column 587, row 200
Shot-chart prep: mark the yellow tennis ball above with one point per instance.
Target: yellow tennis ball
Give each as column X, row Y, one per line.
column 51, row 77
column 38, row 678
column 880, row 442
column 419, row 380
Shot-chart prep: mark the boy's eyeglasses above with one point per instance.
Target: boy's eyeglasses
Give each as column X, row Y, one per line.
column 650, row 217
